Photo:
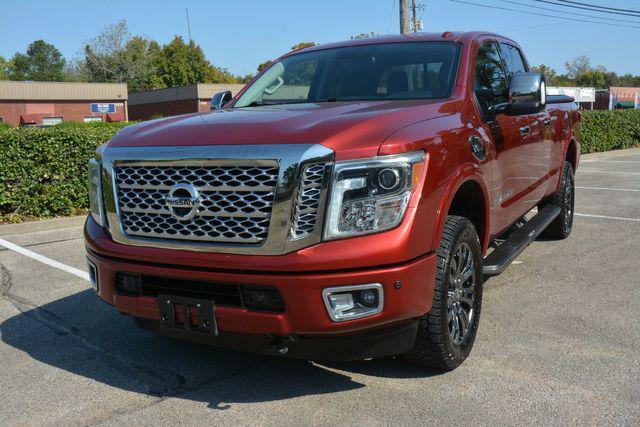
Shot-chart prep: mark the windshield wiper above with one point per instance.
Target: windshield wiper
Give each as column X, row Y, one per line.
column 262, row 103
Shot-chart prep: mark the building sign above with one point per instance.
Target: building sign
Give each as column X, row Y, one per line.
column 580, row 94
column 103, row 108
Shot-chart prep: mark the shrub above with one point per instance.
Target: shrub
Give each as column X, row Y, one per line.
column 43, row 170
column 609, row 130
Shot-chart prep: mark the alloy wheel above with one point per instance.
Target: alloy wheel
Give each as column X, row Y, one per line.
column 461, row 293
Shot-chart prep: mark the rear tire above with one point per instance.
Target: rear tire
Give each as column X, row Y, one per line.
column 446, row 334
column 564, row 198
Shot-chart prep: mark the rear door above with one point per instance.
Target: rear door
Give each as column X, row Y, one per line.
column 508, row 134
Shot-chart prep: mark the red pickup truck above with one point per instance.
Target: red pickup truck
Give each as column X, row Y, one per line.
column 347, row 203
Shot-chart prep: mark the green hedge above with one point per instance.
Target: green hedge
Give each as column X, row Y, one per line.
column 609, row 130
column 43, row 170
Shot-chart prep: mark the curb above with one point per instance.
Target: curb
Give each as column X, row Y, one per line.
column 42, row 225
column 608, row 154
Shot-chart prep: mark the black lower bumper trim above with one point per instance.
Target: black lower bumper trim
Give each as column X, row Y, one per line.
column 381, row 342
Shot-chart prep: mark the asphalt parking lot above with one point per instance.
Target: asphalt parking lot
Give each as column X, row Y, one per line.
column 559, row 342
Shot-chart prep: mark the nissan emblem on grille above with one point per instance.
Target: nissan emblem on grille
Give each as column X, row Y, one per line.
column 183, row 201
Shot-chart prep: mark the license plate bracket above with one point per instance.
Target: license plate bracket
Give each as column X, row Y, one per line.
column 204, row 310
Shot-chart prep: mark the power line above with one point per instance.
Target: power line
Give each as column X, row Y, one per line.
column 588, row 8
column 544, row 14
column 188, row 25
column 600, row 7
column 573, row 13
column 393, row 7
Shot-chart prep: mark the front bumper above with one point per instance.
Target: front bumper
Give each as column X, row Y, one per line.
column 408, row 293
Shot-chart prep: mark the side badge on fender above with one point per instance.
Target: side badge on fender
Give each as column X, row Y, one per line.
column 477, row 148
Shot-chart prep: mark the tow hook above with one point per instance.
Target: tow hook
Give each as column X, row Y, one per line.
column 278, row 347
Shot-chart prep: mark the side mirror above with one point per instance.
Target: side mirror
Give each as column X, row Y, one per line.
column 527, row 94
column 219, row 99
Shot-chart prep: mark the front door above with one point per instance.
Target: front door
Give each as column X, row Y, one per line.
column 509, row 135
column 537, row 140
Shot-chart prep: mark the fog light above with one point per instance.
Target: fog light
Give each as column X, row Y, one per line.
column 353, row 302
column 368, row 297
column 93, row 275
column 341, row 302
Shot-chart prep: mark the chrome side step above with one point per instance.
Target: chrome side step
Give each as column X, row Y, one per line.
column 498, row 260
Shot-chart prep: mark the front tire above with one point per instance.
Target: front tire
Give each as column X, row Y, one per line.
column 564, row 198
column 446, row 334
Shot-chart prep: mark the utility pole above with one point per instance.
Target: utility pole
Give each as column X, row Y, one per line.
column 405, row 27
column 415, row 8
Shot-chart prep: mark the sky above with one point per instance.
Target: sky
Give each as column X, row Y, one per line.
column 238, row 35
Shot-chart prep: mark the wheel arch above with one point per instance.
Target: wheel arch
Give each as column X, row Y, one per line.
column 466, row 195
column 571, row 154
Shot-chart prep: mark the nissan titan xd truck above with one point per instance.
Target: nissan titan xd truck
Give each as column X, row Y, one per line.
column 348, row 203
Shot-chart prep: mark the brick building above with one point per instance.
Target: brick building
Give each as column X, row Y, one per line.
column 175, row 100
column 48, row 103
column 618, row 98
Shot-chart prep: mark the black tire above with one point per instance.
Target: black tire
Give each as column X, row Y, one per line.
column 564, row 198
column 435, row 345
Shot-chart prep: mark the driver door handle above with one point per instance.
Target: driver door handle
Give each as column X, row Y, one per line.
column 524, row 130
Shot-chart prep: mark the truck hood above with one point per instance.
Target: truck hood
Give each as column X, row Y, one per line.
column 351, row 129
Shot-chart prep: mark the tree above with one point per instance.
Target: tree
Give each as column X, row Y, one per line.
column 364, row 35
column 183, row 64
column 4, row 68
column 612, row 79
column 302, row 45
column 593, row 78
column 117, row 56
column 264, row 65
column 550, row 75
column 42, row 62
column 578, row 66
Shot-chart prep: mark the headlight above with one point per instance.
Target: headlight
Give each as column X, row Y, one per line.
column 95, row 192
column 372, row 195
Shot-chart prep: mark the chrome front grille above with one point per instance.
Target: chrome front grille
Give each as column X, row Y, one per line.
column 265, row 199
column 235, row 202
column 308, row 200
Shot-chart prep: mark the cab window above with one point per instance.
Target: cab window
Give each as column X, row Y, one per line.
column 512, row 59
column 490, row 80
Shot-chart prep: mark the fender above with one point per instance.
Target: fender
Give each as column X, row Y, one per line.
column 570, row 139
column 463, row 174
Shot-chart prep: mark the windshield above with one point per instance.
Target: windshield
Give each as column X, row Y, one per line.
column 415, row 70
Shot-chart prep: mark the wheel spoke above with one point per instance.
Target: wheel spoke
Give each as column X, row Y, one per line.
column 469, row 268
column 464, row 321
column 462, row 258
column 454, row 266
column 467, row 300
column 455, row 330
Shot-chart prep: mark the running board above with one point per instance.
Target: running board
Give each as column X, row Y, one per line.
column 498, row 260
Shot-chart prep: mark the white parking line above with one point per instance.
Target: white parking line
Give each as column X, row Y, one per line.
column 608, row 189
column 617, row 218
column 608, row 173
column 45, row 260
column 610, row 161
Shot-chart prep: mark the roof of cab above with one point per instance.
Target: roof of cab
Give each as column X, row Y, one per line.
column 455, row 36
